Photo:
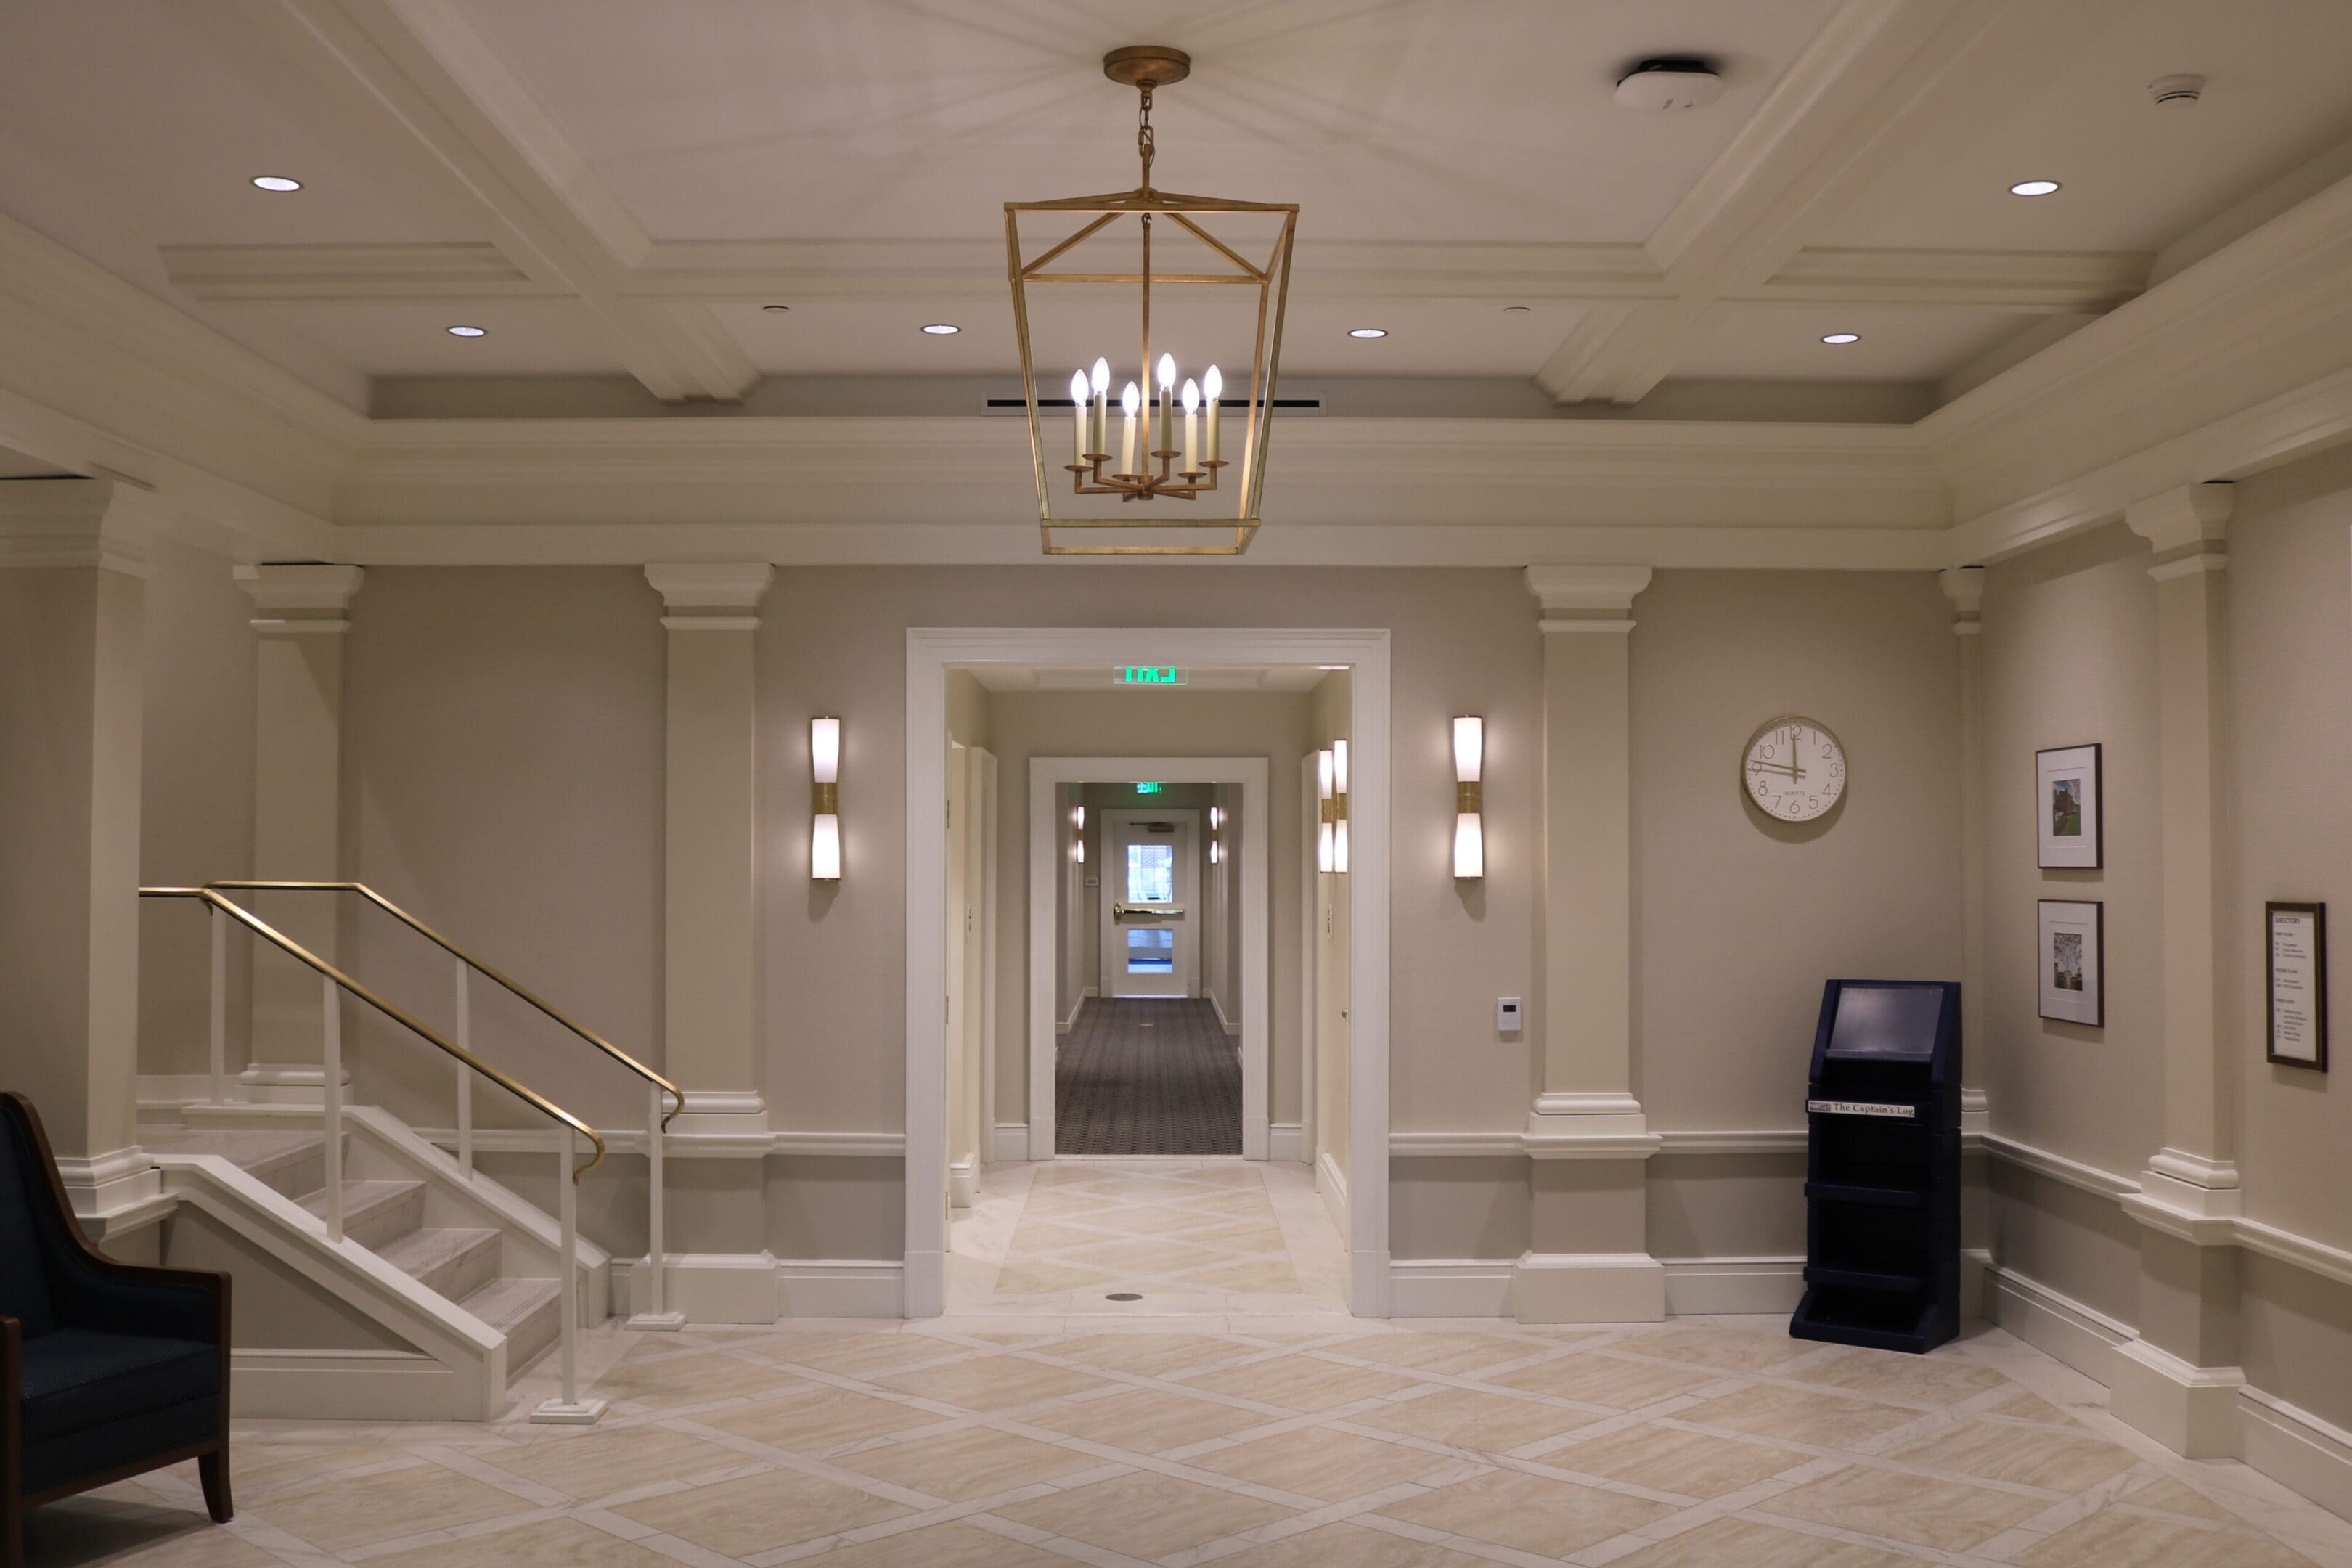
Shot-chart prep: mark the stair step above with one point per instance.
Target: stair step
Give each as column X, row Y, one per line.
column 376, row 1213
column 454, row 1262
column 292, row 1163
column 530, row 1313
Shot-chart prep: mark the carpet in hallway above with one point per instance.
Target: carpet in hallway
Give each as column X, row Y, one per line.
column 1148, row 1076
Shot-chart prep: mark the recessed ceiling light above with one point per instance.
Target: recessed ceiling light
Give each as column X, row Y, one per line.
column 1368, row 331
column 775, row 310
column 276, row 182
column 943, row 328
column 469, row 331
column 1331, row 667
column 1841, row 337
column 2033, row 187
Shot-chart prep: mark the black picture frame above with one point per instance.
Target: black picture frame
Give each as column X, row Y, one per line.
column 2094, row 808
column 2318, row 914
column 2091, row 963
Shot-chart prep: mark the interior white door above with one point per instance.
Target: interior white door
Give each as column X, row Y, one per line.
column 1150, row 914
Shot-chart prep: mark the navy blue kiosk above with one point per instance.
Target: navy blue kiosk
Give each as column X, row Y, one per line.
column 1883, row 1167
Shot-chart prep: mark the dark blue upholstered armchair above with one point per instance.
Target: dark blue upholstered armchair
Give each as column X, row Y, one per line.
column 105, row 1369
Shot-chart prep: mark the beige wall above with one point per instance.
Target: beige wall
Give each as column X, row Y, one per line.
column 502, row 777
column 196, row 799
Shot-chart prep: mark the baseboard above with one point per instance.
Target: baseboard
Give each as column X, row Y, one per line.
column 2296, row 1450
column 1707, row 1286
column 704, row 1287
column 1009, row 1142
column 1286, row 1141
column 2058, row 1326
column 963, row 1183
column 1067, row 1025
column 2190, row 1409
column 1332, row 1183
column 350, row 1385
column 1217, row 1002
column 1450, row 1287
column 1588, row 1288
column 819, row 1288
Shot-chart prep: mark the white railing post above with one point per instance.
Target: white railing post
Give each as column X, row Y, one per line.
column 220, row 1006
column 333, row 1086
column 464, row 1072
column 657, row 1314
column 569, row 1409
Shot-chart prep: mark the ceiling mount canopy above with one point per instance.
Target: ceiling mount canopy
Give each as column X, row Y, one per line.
column 1162, row 453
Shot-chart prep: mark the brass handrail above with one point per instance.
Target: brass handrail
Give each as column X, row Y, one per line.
column 288, row 945
column 451, row 948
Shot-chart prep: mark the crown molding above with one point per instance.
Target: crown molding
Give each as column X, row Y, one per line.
column 1569, row 590
column 707, row 586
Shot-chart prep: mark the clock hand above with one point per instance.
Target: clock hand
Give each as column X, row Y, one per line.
column 1777, row 768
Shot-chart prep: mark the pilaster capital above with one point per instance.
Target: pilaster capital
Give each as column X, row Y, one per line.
column 299, row 598
column 101, row 522
column 1964, row 586
column 1574, row 598
column 2190, row 517
column 722, row 592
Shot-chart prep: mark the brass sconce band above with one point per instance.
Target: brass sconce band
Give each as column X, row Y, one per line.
column 825, row 799
column 1468, row 796
column 1335, row 809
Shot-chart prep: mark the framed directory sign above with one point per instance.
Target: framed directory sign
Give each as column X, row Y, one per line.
column 2296, row 935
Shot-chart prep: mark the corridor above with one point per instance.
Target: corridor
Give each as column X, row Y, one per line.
column 1148, row 1076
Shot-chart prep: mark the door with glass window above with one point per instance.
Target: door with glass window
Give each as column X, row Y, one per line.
column 1150, row 919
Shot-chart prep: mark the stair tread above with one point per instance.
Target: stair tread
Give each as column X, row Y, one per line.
column 248, row 1149
column 362, row 1198
column 502, row 1303
column 429, row 1246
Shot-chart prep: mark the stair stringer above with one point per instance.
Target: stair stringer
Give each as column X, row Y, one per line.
column 458, row 1371
column 531, row 1240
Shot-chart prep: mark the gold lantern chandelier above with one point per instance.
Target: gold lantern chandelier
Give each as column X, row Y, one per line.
column 1161, row 444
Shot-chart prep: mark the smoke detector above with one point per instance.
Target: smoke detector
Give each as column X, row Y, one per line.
column 1673, row 83
column 2176, row 91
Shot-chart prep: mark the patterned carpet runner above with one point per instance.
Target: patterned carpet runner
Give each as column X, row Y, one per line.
column 1156, row 1075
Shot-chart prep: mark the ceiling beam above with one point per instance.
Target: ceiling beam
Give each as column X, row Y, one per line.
column 485, row 140
column 831, row 271
column 1881, row 80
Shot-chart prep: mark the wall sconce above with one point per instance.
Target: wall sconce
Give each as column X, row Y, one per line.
column 1216, row 822
column 1340, row 807
column 1078, row 834
column 1326, row 838
column 1469, row 825
column 825, row 800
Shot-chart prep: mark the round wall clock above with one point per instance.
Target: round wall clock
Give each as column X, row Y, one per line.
column 1793, row 769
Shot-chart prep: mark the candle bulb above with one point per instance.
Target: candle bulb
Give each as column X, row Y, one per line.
column 1101, row 378
column 1192, row 423
column 1166, row 441
column 1213, row 387
column 1078, row 418
column 1132, row 402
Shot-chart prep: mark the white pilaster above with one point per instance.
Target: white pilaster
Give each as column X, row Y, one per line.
column 300, row 619
column 710, row 1012
column 72, row 621
column 1585, row 1136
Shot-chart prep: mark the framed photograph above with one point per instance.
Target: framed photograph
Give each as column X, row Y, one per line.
column 2075, row 961
column 2067, row 802
column 2297, row 935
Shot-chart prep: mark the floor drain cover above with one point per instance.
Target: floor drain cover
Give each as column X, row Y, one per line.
column 1123, row 1295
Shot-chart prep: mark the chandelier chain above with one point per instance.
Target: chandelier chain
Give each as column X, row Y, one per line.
column 1144, row 143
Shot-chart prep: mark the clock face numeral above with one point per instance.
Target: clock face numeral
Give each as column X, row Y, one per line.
column 1795, row 769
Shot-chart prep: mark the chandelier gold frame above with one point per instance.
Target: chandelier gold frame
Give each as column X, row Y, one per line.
column 1147, row 67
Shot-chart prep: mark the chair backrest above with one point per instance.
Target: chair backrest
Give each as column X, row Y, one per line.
column 24, row 1267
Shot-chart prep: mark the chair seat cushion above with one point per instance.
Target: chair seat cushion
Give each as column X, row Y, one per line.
column 76, row 1378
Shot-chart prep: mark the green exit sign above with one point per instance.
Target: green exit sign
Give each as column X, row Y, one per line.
column 1149, row 788
column 1149, row 674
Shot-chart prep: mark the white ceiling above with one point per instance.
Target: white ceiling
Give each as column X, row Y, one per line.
column 612, row 187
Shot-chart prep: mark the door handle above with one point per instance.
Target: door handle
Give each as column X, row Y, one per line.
column 1120, row 911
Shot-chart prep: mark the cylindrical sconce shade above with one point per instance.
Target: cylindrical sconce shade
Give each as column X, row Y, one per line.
column 1340, row 846
column 1323, row 775
column 825, row 781
column 1469, row 748
column 1340, row 767
column 1469, row 845
column 825, row 750
column 1216, row 852
column 825, row 848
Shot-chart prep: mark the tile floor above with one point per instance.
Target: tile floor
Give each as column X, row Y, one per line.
column 1039, row 1426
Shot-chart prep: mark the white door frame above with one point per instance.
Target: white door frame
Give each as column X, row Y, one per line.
column 930, row 652
column 1188, row 875
column 1046, row 843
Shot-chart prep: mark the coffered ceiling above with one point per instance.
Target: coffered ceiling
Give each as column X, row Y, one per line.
column 618, row 192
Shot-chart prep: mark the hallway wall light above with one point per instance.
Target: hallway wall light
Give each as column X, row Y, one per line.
column 1326, row 839
column 1216, row 845
column 1469, row 806
column 1340, row 807
column 1078, row 834
column 825, row 800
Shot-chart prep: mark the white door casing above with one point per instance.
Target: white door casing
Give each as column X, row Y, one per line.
column 1131, row 922
column 930, row 653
